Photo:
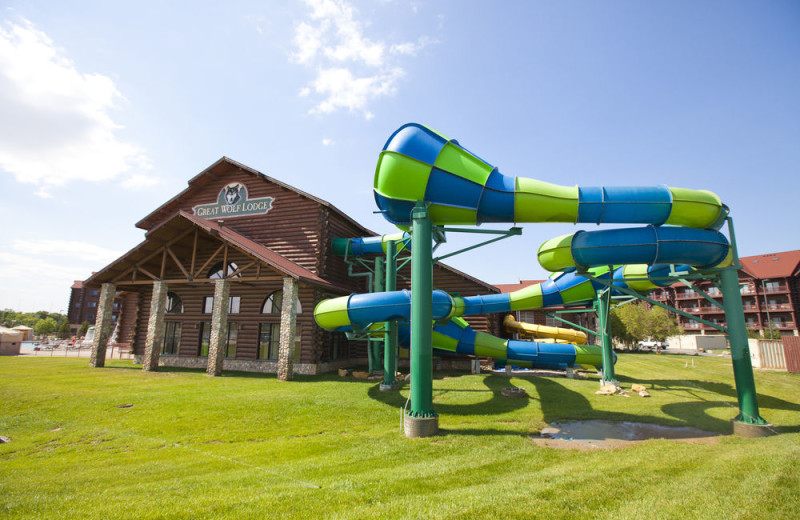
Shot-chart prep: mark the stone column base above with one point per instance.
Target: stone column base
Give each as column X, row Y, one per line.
column 751, row 431
column 392, row 387
column 420, row 426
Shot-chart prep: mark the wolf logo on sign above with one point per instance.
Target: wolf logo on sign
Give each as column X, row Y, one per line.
column 232, row 194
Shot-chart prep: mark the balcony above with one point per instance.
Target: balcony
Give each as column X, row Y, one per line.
column 747, row 289
column 776, row 288
column 783, row 325
column 779, row 306
column 711, row 310
column 687, row 295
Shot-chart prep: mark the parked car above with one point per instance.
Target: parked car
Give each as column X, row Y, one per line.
column 653, row 344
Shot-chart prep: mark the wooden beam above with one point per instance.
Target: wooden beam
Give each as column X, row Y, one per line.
column 177, row 262
column 123, row 275
column 225, row 262
column 210, row 259
column 194, row 252
column 163, row 263
column 145, row 271
column 248, row 266
column 197, row 281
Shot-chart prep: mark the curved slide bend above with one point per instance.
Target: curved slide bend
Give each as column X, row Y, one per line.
column 548, row 333
column 419, row 164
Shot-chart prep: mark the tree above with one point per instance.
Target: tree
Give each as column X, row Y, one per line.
column 635, row 322
column 45, row 326
column 84, row 328
column 661, row 325
column 64, row 331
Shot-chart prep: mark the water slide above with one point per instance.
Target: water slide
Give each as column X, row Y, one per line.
column 545, row 333
column 679, row 232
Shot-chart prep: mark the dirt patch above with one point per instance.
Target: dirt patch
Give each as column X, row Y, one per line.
column 599, row 434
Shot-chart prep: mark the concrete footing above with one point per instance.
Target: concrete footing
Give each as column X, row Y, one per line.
column 751, row 431
column 389, row 388
column 420, row 426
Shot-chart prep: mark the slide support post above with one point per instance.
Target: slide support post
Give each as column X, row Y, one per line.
column 421, row 420
column 748, row 423
column 374, row 345
column 602, row 305
column 389, row 382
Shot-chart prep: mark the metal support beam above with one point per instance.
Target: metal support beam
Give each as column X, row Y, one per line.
column 389, row 382
column 602, row 305
column 514, row 231
column 421, row 420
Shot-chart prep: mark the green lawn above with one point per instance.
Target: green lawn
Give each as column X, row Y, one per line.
column 248, row 446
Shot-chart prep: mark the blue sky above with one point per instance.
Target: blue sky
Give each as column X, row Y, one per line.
column 108, row 108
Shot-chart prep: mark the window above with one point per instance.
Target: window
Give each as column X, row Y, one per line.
column 174, row 303
column 269, row 340
column 233, row 336
column 92, row 305
column 216, row 271
column 94, row 292
column 205, row 338
column 274, row 302
column 172, row 338
column 527, row 316
column 234, row 302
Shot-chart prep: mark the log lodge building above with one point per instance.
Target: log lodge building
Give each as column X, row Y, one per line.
column 230, row 271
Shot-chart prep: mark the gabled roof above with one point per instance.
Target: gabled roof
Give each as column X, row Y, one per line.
column 510, row 287
column 772, row 265
column 211, row 173
column 156, row 238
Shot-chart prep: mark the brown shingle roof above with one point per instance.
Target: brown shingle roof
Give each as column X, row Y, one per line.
column 772, row 265
column 154, row 240
column 509, row 287
column 208, row 175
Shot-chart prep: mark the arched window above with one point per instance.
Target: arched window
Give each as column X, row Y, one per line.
column 274, row 303
column 174, row 303
column 216, row 270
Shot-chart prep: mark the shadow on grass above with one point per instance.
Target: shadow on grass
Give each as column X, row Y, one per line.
column 494, row 405
column 560, row 403
column 694, row 411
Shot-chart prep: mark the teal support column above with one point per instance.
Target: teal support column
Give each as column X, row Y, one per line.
column 740, row 354
column 602, row 305
column 375, row 344
column 421, row 420
column 389, row 382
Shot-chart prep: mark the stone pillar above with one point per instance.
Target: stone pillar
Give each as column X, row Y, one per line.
column 288, row 324
column 155, row 327
column 102, row 325
column 219, row 328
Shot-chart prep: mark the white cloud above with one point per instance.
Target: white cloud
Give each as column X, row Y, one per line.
column 412, row 48
column 328, row 142
column 343, row 90
column 352, row 69
column 55, row 123
column 66, row 249
column 39, row 272
column 139, row 181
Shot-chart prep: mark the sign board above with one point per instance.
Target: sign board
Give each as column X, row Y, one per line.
column 233, row 202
